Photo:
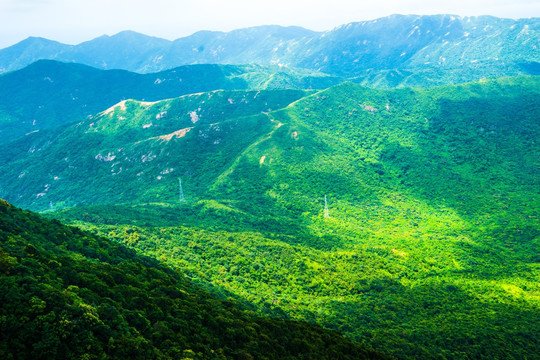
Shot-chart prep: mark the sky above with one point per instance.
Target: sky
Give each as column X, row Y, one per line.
column 75, row 21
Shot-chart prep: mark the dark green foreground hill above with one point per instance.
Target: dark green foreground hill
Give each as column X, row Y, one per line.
column 68, row 294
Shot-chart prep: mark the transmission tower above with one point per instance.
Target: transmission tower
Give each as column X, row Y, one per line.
column 326, row 214
column 51, row 206
column 180, row 191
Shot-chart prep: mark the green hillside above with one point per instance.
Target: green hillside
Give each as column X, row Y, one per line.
column 114, row 154
column 68, row 294
column 366, row 192
column 48, row 93
column 431, row 247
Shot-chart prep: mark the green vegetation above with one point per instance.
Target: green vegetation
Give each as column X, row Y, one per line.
column 431, row 248
column 48, row 93
column 136, row 151
column 430, row 298
column 69, row 294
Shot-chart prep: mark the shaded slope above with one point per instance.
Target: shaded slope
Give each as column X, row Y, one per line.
column 67, row 293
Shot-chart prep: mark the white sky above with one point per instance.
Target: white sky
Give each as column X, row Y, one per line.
column 75, row 21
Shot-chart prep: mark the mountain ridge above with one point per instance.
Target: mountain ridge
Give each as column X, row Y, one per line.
column 399, row 42
column 49, row 93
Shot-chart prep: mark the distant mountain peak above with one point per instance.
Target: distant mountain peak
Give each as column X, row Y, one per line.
column 409, row 42
column 127, row 36
column 35, row 40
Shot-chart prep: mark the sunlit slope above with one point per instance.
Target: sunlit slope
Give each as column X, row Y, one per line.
column 136, row 151
column 466, row 148
column 432, row 237
column 66, row 293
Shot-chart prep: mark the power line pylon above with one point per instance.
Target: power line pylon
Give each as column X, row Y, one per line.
column 326, row 213
column 180, row 191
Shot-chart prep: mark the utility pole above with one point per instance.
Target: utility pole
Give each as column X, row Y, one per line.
column 326, row 214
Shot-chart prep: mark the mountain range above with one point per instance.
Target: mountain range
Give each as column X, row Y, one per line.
column 49, row 93
column 477, row 46
column 276, row 193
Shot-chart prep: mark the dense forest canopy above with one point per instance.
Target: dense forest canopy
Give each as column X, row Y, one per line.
column 367, row 192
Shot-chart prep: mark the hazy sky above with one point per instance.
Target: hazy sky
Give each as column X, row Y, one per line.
column 75, row 21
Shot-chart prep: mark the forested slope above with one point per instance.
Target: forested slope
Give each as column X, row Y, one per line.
column 433, row 227
column 48, row 94
column 69, row 294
